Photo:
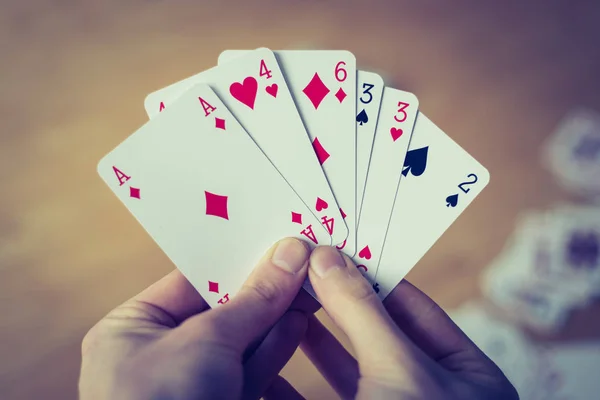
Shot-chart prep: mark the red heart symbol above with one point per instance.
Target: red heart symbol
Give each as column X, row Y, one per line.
column 272, row 90
column 321, row 205
column 365, row 253
column 396, row 133
column 245, row 92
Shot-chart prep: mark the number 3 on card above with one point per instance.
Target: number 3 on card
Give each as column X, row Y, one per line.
column 367, row 87
column 401, row 111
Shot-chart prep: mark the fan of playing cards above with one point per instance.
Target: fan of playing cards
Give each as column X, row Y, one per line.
column 270, row 144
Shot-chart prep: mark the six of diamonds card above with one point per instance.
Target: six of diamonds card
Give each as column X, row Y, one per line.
column 269, row 144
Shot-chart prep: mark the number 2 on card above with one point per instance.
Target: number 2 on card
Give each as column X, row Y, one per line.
column 463, row 186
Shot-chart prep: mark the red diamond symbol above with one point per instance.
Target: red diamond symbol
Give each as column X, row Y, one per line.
column 220, row 123
column 316, row 90
column 341, row 95
column 216, row 205
column 134, row 192
column 322, row 154
column 213, row 287
column 297, row 218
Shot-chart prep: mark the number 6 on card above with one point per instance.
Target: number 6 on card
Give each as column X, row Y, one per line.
column 323, row 85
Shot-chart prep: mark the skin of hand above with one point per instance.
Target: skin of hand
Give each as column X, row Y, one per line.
column 406, row 347
column 166, row 343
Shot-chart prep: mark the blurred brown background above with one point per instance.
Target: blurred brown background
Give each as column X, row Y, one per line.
column 497, row 76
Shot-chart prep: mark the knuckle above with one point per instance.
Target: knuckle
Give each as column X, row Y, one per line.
column 205, row 325
column 361, row 290
column 266, row 291
column 89, row 340
column 129, row 314
column 95, row 339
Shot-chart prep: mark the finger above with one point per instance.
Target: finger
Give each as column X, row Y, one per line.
column 430, row 328
column 280, row 389
column 332, row 360
column 175, row 296
column 264, row 297
column 350, row 301
column 305, row 302
column 273, row 353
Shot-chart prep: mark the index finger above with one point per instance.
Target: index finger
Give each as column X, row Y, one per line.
column 174, row 295
column 264, row 297
column 350, row 301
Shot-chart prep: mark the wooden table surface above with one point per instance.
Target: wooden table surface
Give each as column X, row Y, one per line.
column 73, row 75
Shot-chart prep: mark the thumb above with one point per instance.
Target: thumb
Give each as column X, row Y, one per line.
column 381, row 347
column 262, row 300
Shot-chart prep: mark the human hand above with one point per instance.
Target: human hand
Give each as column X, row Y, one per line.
column 166, row 343
column 406, row 347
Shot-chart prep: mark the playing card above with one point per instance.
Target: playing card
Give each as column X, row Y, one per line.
column 518, row 357
column 255, row 91
column 566, row 250
column 574, row 248
column 439, row 181
column 531, row 263
column 572, row 372
column 369, row 90
column 394, row 129
column 206, row 194
column 323, row 85
column 538, row 372
column 529, row 304
column 548, row 267
column 572, row 152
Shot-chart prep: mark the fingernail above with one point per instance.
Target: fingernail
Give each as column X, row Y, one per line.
column 325, row 259
column 290, row 255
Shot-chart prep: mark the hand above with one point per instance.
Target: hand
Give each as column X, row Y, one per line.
column 406, row 347
column 166, row 343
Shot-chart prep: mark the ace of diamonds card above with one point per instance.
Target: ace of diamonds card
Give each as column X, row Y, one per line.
column 253, row 88
column 206, row 194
